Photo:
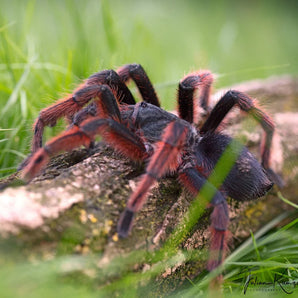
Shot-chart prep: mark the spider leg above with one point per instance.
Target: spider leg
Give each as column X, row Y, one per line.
column 85, row 113
column 49, row 116
column 188, row 85
column 246, row 104
column 139, row 76
column 105, row 101
column 108, row 124
column 164, row 159
column 105, row 107
column 82, row 115
column 191, row 179
column 113, row 132
column 71, row 104
column 115, row 82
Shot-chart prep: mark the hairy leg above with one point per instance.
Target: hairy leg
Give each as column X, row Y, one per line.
column 108, row 124
column 114, row 133
column 191, row 179
column 139, row 76
column 70, row 105
column 187, row 107
column 115, row 82
column 245, row 103
column 164, row 159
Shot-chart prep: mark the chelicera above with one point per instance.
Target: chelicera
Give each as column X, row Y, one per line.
column 103, row 105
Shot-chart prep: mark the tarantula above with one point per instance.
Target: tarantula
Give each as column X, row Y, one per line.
column 103, row 105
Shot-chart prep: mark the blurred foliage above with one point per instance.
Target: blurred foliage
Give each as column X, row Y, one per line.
column 47, row 47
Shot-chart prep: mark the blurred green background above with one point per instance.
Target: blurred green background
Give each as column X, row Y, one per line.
column 48, row 47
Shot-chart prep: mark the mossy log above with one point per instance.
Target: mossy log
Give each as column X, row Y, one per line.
column 78, row 199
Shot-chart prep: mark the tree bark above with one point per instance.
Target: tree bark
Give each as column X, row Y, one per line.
column 81, row 194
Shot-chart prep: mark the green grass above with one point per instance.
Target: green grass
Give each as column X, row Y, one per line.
column 48, row 47
column 270, row 255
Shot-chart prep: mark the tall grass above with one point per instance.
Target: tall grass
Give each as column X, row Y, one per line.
column 47, row 47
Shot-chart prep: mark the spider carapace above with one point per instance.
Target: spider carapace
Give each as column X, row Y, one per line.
column 103, row 105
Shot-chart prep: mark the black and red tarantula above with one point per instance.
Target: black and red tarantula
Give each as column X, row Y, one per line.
column 103, row 105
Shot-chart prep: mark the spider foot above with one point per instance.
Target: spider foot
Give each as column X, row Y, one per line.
column 25, row 162
column 125, row 223
column 35, row 164
column 218, row 248
column 275, row 178
column 219, row 235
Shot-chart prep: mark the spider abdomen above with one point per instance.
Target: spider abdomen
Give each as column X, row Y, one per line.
column 246, row 180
